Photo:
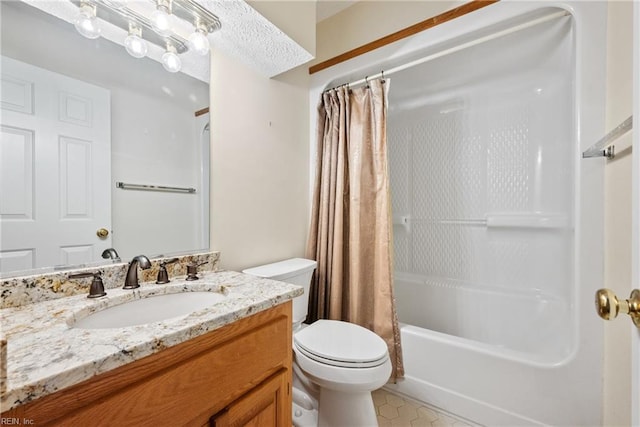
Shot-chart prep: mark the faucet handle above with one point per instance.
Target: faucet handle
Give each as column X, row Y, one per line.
column 96, row 290
column 192, row 271
column 163, row 276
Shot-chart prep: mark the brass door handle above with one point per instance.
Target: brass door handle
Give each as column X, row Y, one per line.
column 608, row 306
column 102, row 233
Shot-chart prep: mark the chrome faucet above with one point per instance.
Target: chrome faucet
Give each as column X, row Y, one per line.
column 131, row 282
column 111, row 253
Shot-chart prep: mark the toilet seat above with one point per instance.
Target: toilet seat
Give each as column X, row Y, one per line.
column 341, row 344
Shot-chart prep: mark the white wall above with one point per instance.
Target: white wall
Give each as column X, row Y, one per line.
column 617, row 348
column 259, row 164
column 260, row 127
column 367, row 21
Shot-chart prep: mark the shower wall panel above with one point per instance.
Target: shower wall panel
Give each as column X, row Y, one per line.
column 482, row 166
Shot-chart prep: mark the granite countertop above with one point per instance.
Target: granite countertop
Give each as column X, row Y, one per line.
column 46, row 354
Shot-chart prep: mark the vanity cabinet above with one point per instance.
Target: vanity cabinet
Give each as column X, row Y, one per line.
column 237, row 375
column 262, row 406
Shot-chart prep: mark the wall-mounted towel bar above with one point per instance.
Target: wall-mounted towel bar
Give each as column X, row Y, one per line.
column 144, row 187
column 604, row 147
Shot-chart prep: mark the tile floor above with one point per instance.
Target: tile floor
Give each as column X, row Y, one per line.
column 397, row 411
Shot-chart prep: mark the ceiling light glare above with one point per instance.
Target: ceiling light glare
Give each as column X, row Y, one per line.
column 134, row 43
column 161, row 18
column 170, row 60
column 86, row 22
column 198, row 41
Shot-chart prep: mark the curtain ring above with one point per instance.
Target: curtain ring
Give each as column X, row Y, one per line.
column 382, row 73
column 366, row 80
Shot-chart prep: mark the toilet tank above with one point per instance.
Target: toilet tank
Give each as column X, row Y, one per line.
column 297, row 271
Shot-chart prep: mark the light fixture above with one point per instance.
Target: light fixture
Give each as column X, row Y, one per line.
column 134, row 43
column 86, row 22
column 170, row 59
column 150, row 32
column 198, row 41
column 161, row 18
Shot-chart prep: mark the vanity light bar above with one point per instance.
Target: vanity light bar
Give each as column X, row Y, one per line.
column 123, row 16
column 117, row 13
column 189, row 10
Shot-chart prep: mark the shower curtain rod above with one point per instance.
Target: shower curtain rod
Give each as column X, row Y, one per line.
column 462, row 46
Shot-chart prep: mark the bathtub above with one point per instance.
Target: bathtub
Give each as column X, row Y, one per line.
column 469, row 368
column 528, row 327
column 496, row 307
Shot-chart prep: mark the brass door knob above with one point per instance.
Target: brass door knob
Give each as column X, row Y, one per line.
column 102, row 233
column 608, row 306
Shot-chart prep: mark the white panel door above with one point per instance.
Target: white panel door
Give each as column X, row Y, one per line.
column 55, row 171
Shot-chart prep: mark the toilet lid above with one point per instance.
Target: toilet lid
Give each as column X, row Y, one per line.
column 339, row 343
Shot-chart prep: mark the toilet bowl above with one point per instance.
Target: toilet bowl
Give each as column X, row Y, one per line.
column 336, row 364
column 346, row 362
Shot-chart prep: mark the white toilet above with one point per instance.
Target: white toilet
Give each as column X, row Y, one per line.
column 336, row 364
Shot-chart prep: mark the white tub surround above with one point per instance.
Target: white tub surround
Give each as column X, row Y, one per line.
column 46, row 354
column 497, row 219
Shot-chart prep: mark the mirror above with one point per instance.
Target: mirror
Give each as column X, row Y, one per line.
column 145, row 115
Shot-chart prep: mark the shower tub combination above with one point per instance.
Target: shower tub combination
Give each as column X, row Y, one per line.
column 497, row 221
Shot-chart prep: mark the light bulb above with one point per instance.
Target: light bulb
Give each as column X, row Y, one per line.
column 86, row 22
column 161, row 18
column 198, row 41
column 170, row 60
column 134, row 43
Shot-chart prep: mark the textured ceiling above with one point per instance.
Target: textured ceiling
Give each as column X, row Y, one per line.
column 245, row 35
column 253, row 39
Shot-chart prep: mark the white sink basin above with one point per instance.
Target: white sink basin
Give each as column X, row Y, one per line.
column 148, row 310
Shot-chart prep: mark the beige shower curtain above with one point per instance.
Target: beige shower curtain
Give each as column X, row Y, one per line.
column 350, row 235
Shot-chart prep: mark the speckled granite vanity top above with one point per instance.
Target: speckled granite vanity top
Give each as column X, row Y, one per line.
column 46, row 354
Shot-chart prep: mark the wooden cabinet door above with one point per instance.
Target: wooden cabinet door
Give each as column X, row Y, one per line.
column 268, row 405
